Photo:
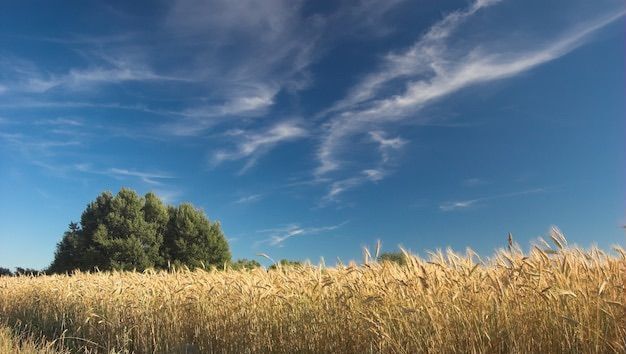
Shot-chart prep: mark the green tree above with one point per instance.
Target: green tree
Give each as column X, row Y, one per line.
column 68, row 255
column 27, row 272
column 191, row 240
column 285, row 263
column 128, row 232
column 395, row 257
column 5, row 272
column 245, row 264
column 92, row 219
column 123, row 239
column 155, row 212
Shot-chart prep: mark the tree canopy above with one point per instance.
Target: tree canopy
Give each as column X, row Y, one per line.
column 245, row 264
column 394, row 257
column 285, row 263
column 126, row 231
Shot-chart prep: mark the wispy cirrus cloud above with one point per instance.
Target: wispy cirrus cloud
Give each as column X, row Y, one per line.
column 25, row 77
column 475, row 182
column 61, row 122
column 469, row 203
column 195, row 120
column 236, row 57
column 277, row 42
column 252, row 145
column 220, row 67
column 168, row 195
column 275, row 45
column 249, row 199
column 421, row 57
column 279, row 235
column 342, row 185
column 51, row 151
column 432, row 68
column 31, row 146
column 45, row 152
column 149, row 177
column 386, row 145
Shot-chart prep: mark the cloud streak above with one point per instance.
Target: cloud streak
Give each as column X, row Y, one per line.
column 386, row 145
column 468, row 203
column 31, row 146
column 249, row 199
column 431, row 69
column 153, row 178
column 29, row 79
column 277, row 42
column 251, row 146
column 279, row 235
column 340, row 186
column 148, row 177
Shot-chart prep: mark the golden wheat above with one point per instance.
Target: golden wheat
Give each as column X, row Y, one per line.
column 546, row 301
column 13, row 344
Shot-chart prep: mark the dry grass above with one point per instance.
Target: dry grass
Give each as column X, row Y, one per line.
column 11, row 344
column 547, row 301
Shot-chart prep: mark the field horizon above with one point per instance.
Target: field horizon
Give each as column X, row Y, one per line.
column 555, row 298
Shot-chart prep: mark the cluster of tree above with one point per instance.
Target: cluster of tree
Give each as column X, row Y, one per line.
column 239, row 264
column 393, row 257
column 244, row 264
column 19, row 271
column 285, row 263
column 129, row 232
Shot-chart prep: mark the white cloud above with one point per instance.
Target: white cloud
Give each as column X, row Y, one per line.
column 153, row 178
column 387, row 144
column 148, row 177
column 251, row 103
column 169, row 195
column 340, row 186
column 278, row 236
column 474, row 182
column 269, row 46
column 29, row 78
column 31, row 146
column 419, row 58
column 276, row 41
column 248, row 199
column 373, row 175
column 463, row 204
column 252, row 145
column 468, row 203
column 393, row 143
column 61, row 122
column 230, row 58
column 351, row 116
column 429, row 70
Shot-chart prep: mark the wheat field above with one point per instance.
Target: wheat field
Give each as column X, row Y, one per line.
column 550, row 300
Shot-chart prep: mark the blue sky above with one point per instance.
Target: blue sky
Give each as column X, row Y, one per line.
column 311, row 129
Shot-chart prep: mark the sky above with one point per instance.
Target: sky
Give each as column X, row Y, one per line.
column 311, row 129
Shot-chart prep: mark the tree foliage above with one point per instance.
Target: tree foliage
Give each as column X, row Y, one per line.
column 126, row 232
column 285, row 263
column 395, row 257
column 192, row 240
column 245, row 264
column 19, row 271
